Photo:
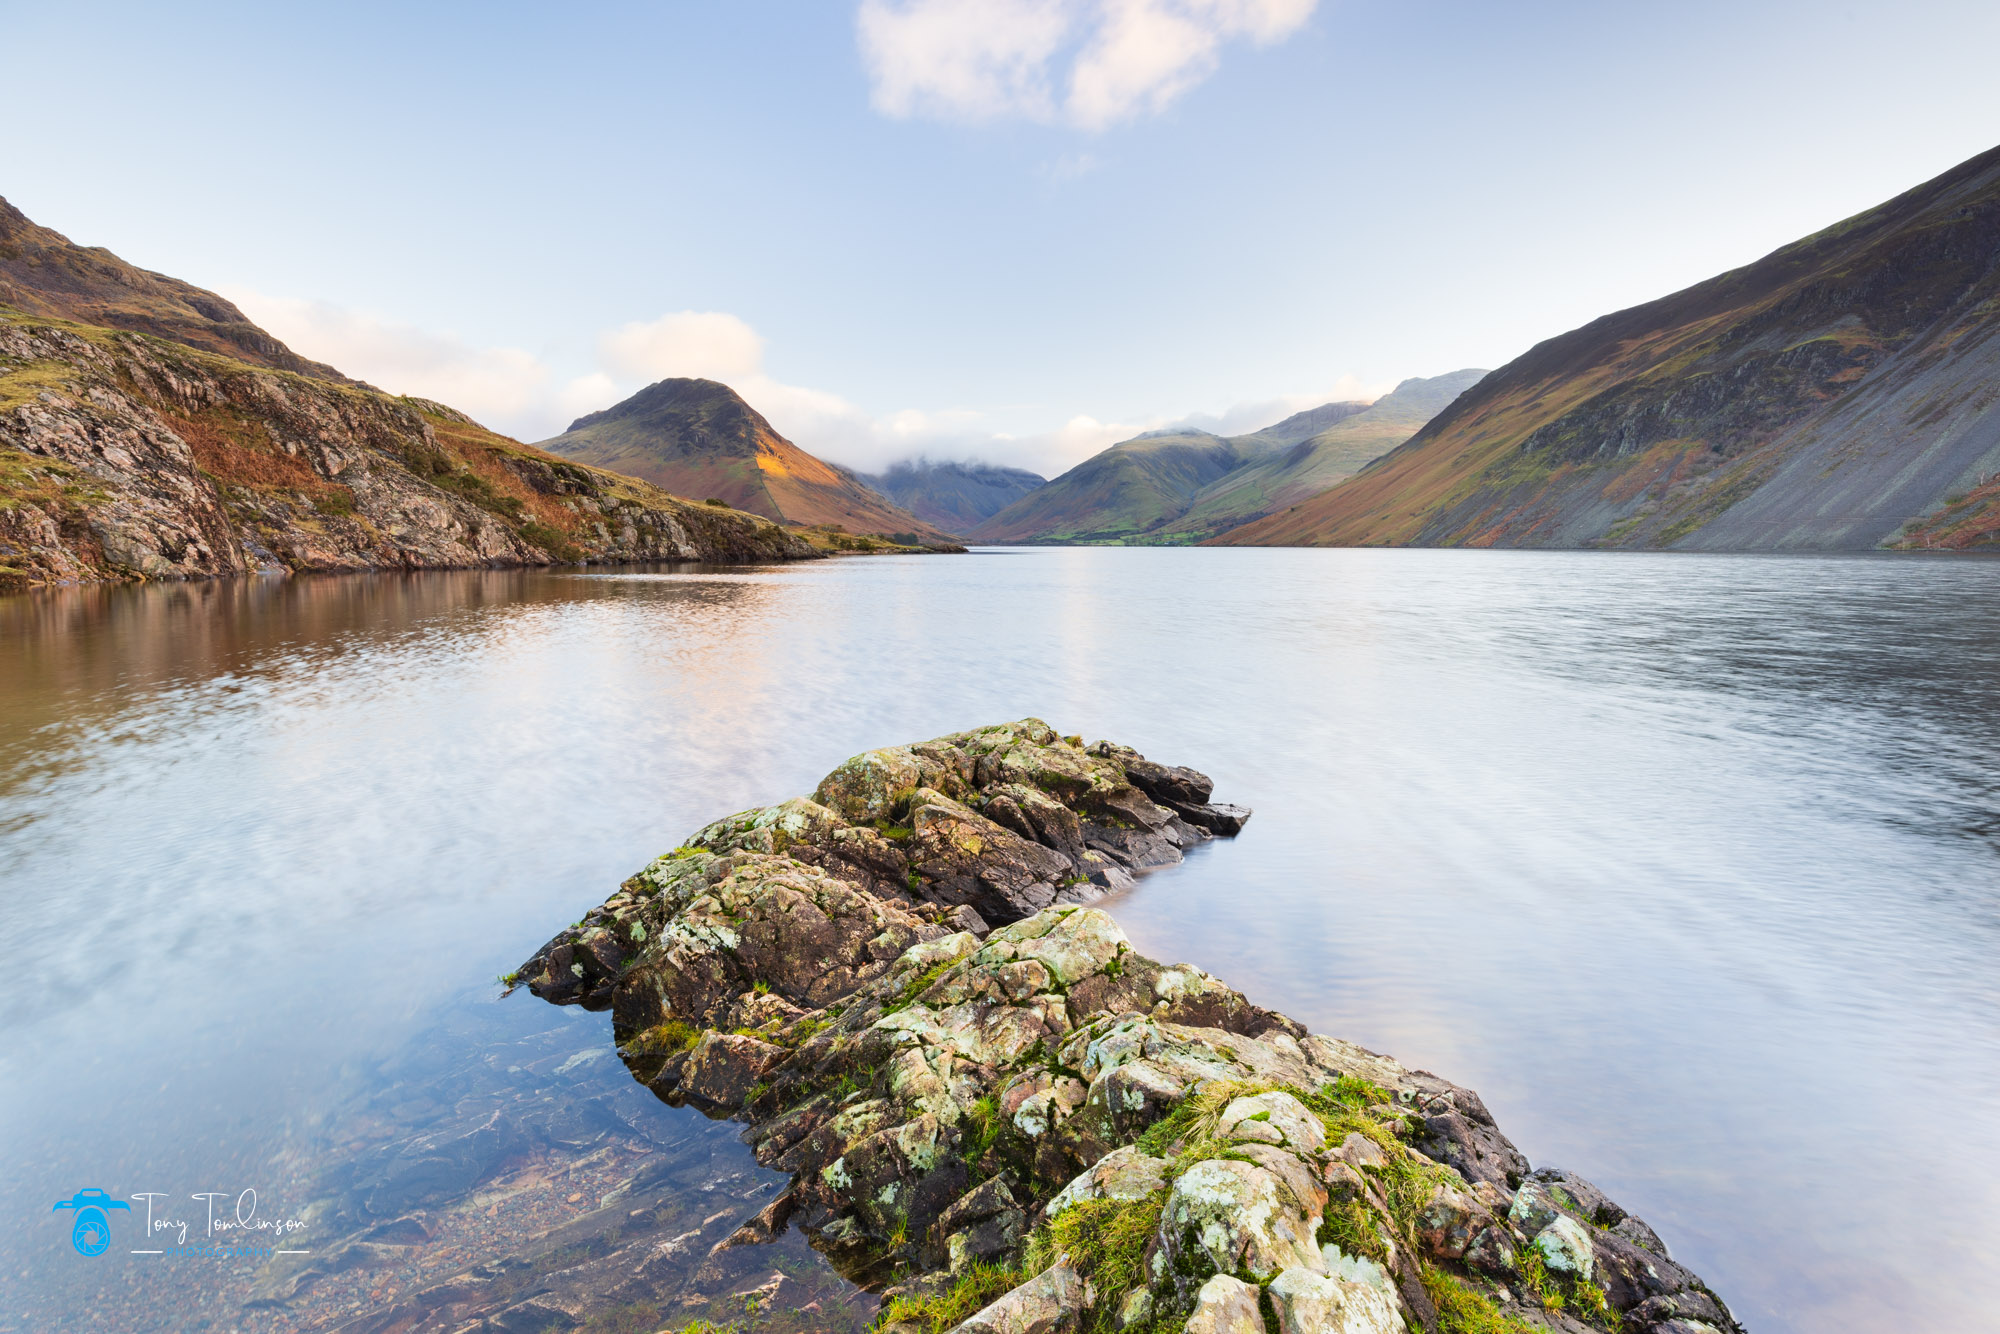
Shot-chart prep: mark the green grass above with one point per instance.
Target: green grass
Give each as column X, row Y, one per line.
column 25, row 381
column 916, row 987
column 1106, row 1243
column 1556, row 1292
column 983, row 1126
column 975, row 1288
column 1463, row 1311
column 665, row 1039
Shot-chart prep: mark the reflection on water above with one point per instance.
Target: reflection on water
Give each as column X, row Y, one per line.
column 1688, row 864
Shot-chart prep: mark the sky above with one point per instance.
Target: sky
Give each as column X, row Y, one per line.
column 1016, row 230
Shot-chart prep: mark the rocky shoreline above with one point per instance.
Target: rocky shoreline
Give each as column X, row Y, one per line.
column 126, row 456
column 997, row 1114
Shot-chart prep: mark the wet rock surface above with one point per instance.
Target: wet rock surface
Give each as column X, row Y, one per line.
column 996, row 1113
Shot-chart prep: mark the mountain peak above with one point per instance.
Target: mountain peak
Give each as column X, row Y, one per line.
column 700, row 439
column 711, row 401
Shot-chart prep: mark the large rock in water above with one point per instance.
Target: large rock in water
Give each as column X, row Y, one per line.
column 897, row 984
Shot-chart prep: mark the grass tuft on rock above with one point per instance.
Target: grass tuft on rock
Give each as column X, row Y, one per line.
column 1106, row 1243
column 1463, row 1311
column 977, row 1286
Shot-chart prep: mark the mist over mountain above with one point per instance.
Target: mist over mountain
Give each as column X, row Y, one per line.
column 955, row 496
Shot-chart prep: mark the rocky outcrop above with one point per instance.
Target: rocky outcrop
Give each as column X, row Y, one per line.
column 129, row 456
column 991, row 1106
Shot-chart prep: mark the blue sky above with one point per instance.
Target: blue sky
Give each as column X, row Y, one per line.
column 1016, row 229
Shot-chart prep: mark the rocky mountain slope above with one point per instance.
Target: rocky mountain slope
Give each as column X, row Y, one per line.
column 42, row 272
column 1179, row 486
column 956, row 497
column 997, row 1112
column 1842, row 393
column 149, row 430
column 1327, row 457
column 699, row 438
column 123, row 455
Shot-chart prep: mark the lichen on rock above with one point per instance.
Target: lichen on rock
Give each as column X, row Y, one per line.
column 994, row 1109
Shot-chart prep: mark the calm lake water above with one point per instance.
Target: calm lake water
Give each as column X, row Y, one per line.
column 1691, row 865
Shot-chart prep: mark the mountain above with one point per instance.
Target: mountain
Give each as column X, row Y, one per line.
column 1324, row 458
column 1121, row 493
column 956, row 497
column 1180, row 486
column 148, row 430
column 1302, row 425
column 42, row 272
column 1841, row 393
column 699, row 438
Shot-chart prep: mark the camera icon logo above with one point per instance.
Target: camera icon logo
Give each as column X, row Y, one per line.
column 91, row 1234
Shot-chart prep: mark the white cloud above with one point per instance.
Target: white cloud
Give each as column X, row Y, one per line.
column 513, row 391
column 1086, row 63
column 963, row 59
column 703, row 344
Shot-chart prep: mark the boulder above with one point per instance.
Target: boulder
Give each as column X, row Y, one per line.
column 1167, row 783
column 1566, row 1248
column 1225, row 1305
column 1216, row 818
column 1123, row 1174
column 1051, row 1302
column 1310, row 1303
column 1273, row 1118
column 1225, row 1216
column 724, row 1066
column 873, row 785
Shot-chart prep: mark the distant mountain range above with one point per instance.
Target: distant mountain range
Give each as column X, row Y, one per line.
column 1180, row 486
column 956, row 497
column 698, row 438
column 1842, row 393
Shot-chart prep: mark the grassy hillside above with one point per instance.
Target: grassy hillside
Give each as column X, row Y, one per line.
column 1327, row 457
column 1840, row 393
column 1121, row 494
column 1178, row 487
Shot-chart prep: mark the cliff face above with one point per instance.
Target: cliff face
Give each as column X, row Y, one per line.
column 124, row 455
column 698, row 438
column 986, row 1097
column 1841, row 393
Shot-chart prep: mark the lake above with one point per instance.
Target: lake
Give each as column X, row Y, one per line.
column 1689, row 864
